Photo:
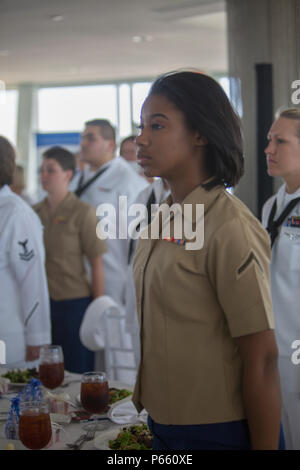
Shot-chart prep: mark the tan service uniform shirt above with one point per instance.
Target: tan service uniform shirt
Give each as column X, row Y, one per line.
column 191, row 306
column 69, row 235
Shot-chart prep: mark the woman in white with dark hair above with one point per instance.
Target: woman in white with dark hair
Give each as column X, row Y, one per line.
column 281, row 217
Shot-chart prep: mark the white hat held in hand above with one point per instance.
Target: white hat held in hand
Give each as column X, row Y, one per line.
column 92, row 327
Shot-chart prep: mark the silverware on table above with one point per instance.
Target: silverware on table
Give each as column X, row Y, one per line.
column 82, row 439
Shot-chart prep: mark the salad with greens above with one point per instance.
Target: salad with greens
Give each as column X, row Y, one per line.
column 116, row 394
column 137, row 437
column 17, row 376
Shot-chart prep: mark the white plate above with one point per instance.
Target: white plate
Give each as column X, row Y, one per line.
column 101, row 441
column 17, row 385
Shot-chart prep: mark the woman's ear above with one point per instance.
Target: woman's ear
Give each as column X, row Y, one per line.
column 70, row 174
column 200, row 140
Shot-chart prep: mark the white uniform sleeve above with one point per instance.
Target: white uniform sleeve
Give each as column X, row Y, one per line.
column 27, row 259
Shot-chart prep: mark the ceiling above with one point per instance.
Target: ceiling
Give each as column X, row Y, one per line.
column 68, row 41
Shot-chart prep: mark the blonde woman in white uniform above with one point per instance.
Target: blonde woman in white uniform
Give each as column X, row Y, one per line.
column 283, row 160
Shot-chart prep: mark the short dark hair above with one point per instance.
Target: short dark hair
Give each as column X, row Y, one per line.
column 7, row 162
column 64, row 157
column 207, row 110
column 107, row 131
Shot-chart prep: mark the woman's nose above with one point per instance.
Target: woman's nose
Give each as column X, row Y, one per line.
column 269, row 148
column 142, row 139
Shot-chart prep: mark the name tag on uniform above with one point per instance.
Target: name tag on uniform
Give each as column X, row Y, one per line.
column 176, row 241
column 293, row 221
column 105, row 190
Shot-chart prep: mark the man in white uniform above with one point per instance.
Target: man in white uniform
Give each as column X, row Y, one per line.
column 24, row 299
column 115, row 178
column 105, row 178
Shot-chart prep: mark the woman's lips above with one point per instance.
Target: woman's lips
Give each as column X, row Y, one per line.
column 143, row 159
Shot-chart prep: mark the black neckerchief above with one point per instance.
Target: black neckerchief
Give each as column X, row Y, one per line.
column 273, row 225
column 82, row 187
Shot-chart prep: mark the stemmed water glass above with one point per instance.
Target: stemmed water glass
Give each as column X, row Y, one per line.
column 51, row 367
column 94, row 397
column 34, row 424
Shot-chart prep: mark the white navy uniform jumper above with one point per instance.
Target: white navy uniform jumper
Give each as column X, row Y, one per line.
column 24, row 297
column 118, row 179
column 285, row 286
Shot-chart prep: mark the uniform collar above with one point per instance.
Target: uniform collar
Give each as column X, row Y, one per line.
column 187, row 210
column 5, row 190
column 108, row 179
column 65, row 205
column 199, row 195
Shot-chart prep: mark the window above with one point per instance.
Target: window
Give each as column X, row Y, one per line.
column 8, row 114
column 139, row 93
column 125, row 111
column 67, row 108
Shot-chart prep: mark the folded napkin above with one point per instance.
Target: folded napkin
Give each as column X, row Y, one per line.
column 125, row 413
column 58, row 403
column 92, row 328
column 4, row 384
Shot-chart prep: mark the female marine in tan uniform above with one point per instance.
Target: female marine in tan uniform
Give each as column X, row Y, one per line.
column 208, row 374
column 69, row 236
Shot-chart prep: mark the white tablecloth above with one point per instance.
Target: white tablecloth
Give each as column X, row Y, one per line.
column 73, row 430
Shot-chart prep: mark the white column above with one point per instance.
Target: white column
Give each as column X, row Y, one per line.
column 26, row 130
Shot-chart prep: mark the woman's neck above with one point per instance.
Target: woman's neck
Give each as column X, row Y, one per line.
column 292, row 184
column 182, row 187
column 55, row 199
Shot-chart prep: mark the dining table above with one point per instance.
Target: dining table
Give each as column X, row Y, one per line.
column 66, row 427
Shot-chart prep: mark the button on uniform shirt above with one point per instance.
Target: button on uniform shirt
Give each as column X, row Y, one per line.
column 193, row 303
column 69, row 235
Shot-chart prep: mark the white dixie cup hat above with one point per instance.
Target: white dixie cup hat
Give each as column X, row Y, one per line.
column 92, row 327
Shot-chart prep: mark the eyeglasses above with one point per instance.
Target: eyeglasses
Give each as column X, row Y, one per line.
column 50, row 171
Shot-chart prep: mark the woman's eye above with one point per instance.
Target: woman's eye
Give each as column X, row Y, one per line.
column 156, row 126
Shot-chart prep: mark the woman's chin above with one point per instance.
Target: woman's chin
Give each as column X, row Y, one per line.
column 150, row 172
column 272, row 172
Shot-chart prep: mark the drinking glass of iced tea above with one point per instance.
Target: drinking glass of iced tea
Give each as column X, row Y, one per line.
column 34, row 424
column 94, row 396
column 51, row 367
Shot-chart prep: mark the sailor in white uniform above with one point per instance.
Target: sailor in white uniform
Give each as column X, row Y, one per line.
column 103, row 181
column 283, row 223
column 24, row 299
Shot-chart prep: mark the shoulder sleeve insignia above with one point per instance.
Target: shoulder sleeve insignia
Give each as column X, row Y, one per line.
column 26, row 255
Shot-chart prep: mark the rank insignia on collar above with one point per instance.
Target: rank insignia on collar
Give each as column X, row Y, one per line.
column 59, row 219
column 293, row 221
column 177, row 241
